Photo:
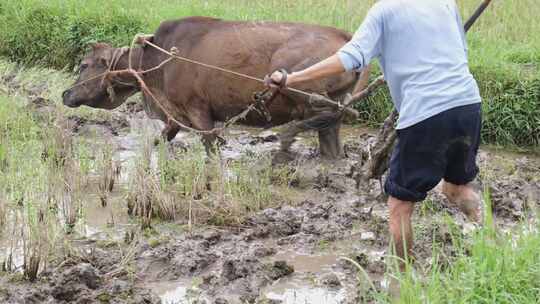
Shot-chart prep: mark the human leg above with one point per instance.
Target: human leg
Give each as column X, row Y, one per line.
column 400, row 213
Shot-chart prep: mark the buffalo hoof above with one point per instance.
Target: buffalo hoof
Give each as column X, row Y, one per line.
column 158, row 140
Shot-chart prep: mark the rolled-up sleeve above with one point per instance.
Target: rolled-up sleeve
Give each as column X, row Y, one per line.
column 365, row 44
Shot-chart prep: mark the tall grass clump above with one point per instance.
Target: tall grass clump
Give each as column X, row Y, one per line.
column 65, row 177
column 189, row 187
column 109, row 170
column 42, row 180
column 3, row 215
column 32, row 225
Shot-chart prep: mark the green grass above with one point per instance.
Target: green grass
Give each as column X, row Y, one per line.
column 56, row 32
column 496, row 271
column 504, row 49
column 490, row 268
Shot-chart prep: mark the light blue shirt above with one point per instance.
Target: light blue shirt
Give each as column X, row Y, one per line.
column 422, row 50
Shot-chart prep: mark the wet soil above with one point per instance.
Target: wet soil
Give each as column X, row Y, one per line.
column 288, row 254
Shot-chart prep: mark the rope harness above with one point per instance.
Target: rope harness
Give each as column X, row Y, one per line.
column 260, row 99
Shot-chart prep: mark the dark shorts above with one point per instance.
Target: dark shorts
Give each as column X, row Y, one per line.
column 441, row 147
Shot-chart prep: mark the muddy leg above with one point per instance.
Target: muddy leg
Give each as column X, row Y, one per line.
column 467, row 200
column 328, row 126
column 202, row 120
column 401, row 229
column 210, row 145
column 330, row 142
column 287, row 137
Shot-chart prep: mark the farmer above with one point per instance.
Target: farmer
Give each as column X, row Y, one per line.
column 422, row 50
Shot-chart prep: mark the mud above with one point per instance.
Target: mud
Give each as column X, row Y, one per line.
column 77, row 282
column 288, row 254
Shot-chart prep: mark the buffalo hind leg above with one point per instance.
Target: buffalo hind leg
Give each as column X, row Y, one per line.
column 326, row 123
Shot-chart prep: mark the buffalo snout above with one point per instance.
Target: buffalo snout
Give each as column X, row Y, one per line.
column 68, row 100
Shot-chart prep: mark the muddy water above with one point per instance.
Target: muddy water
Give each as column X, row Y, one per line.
column 105, row 223
column 305, row 262
column 174, row 292
column 299, row 293
column 240, row 141
column 296, row 289
column 11, row 248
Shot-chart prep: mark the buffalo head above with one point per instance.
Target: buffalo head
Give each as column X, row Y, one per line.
column 91, row 88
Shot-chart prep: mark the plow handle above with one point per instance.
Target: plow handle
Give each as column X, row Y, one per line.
column 476, row 14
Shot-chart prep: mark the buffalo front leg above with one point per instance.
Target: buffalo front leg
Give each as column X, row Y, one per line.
column 210, row 144
column 330, row 141
column 168, row 133
column 287, row 138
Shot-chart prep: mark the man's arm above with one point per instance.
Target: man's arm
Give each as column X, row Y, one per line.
column 355, row 55
column 326, row 68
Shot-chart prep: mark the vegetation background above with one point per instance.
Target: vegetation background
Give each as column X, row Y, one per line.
column 504, row 46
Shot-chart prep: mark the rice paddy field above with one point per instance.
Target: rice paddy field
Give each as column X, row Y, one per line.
column 93, row 211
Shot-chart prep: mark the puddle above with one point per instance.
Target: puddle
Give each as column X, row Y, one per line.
column 13, row 249
column 105, row 223
column 294, row 290
column 295, row 293
column 174, row 292
column 307, row 263
column 170, row 292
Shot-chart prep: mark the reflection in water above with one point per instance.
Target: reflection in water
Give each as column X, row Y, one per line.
column 109, row 222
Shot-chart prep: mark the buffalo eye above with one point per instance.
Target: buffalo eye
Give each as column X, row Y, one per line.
column 83, row 67
column 103, row 62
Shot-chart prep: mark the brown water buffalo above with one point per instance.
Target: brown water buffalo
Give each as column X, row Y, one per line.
column 199, row 97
